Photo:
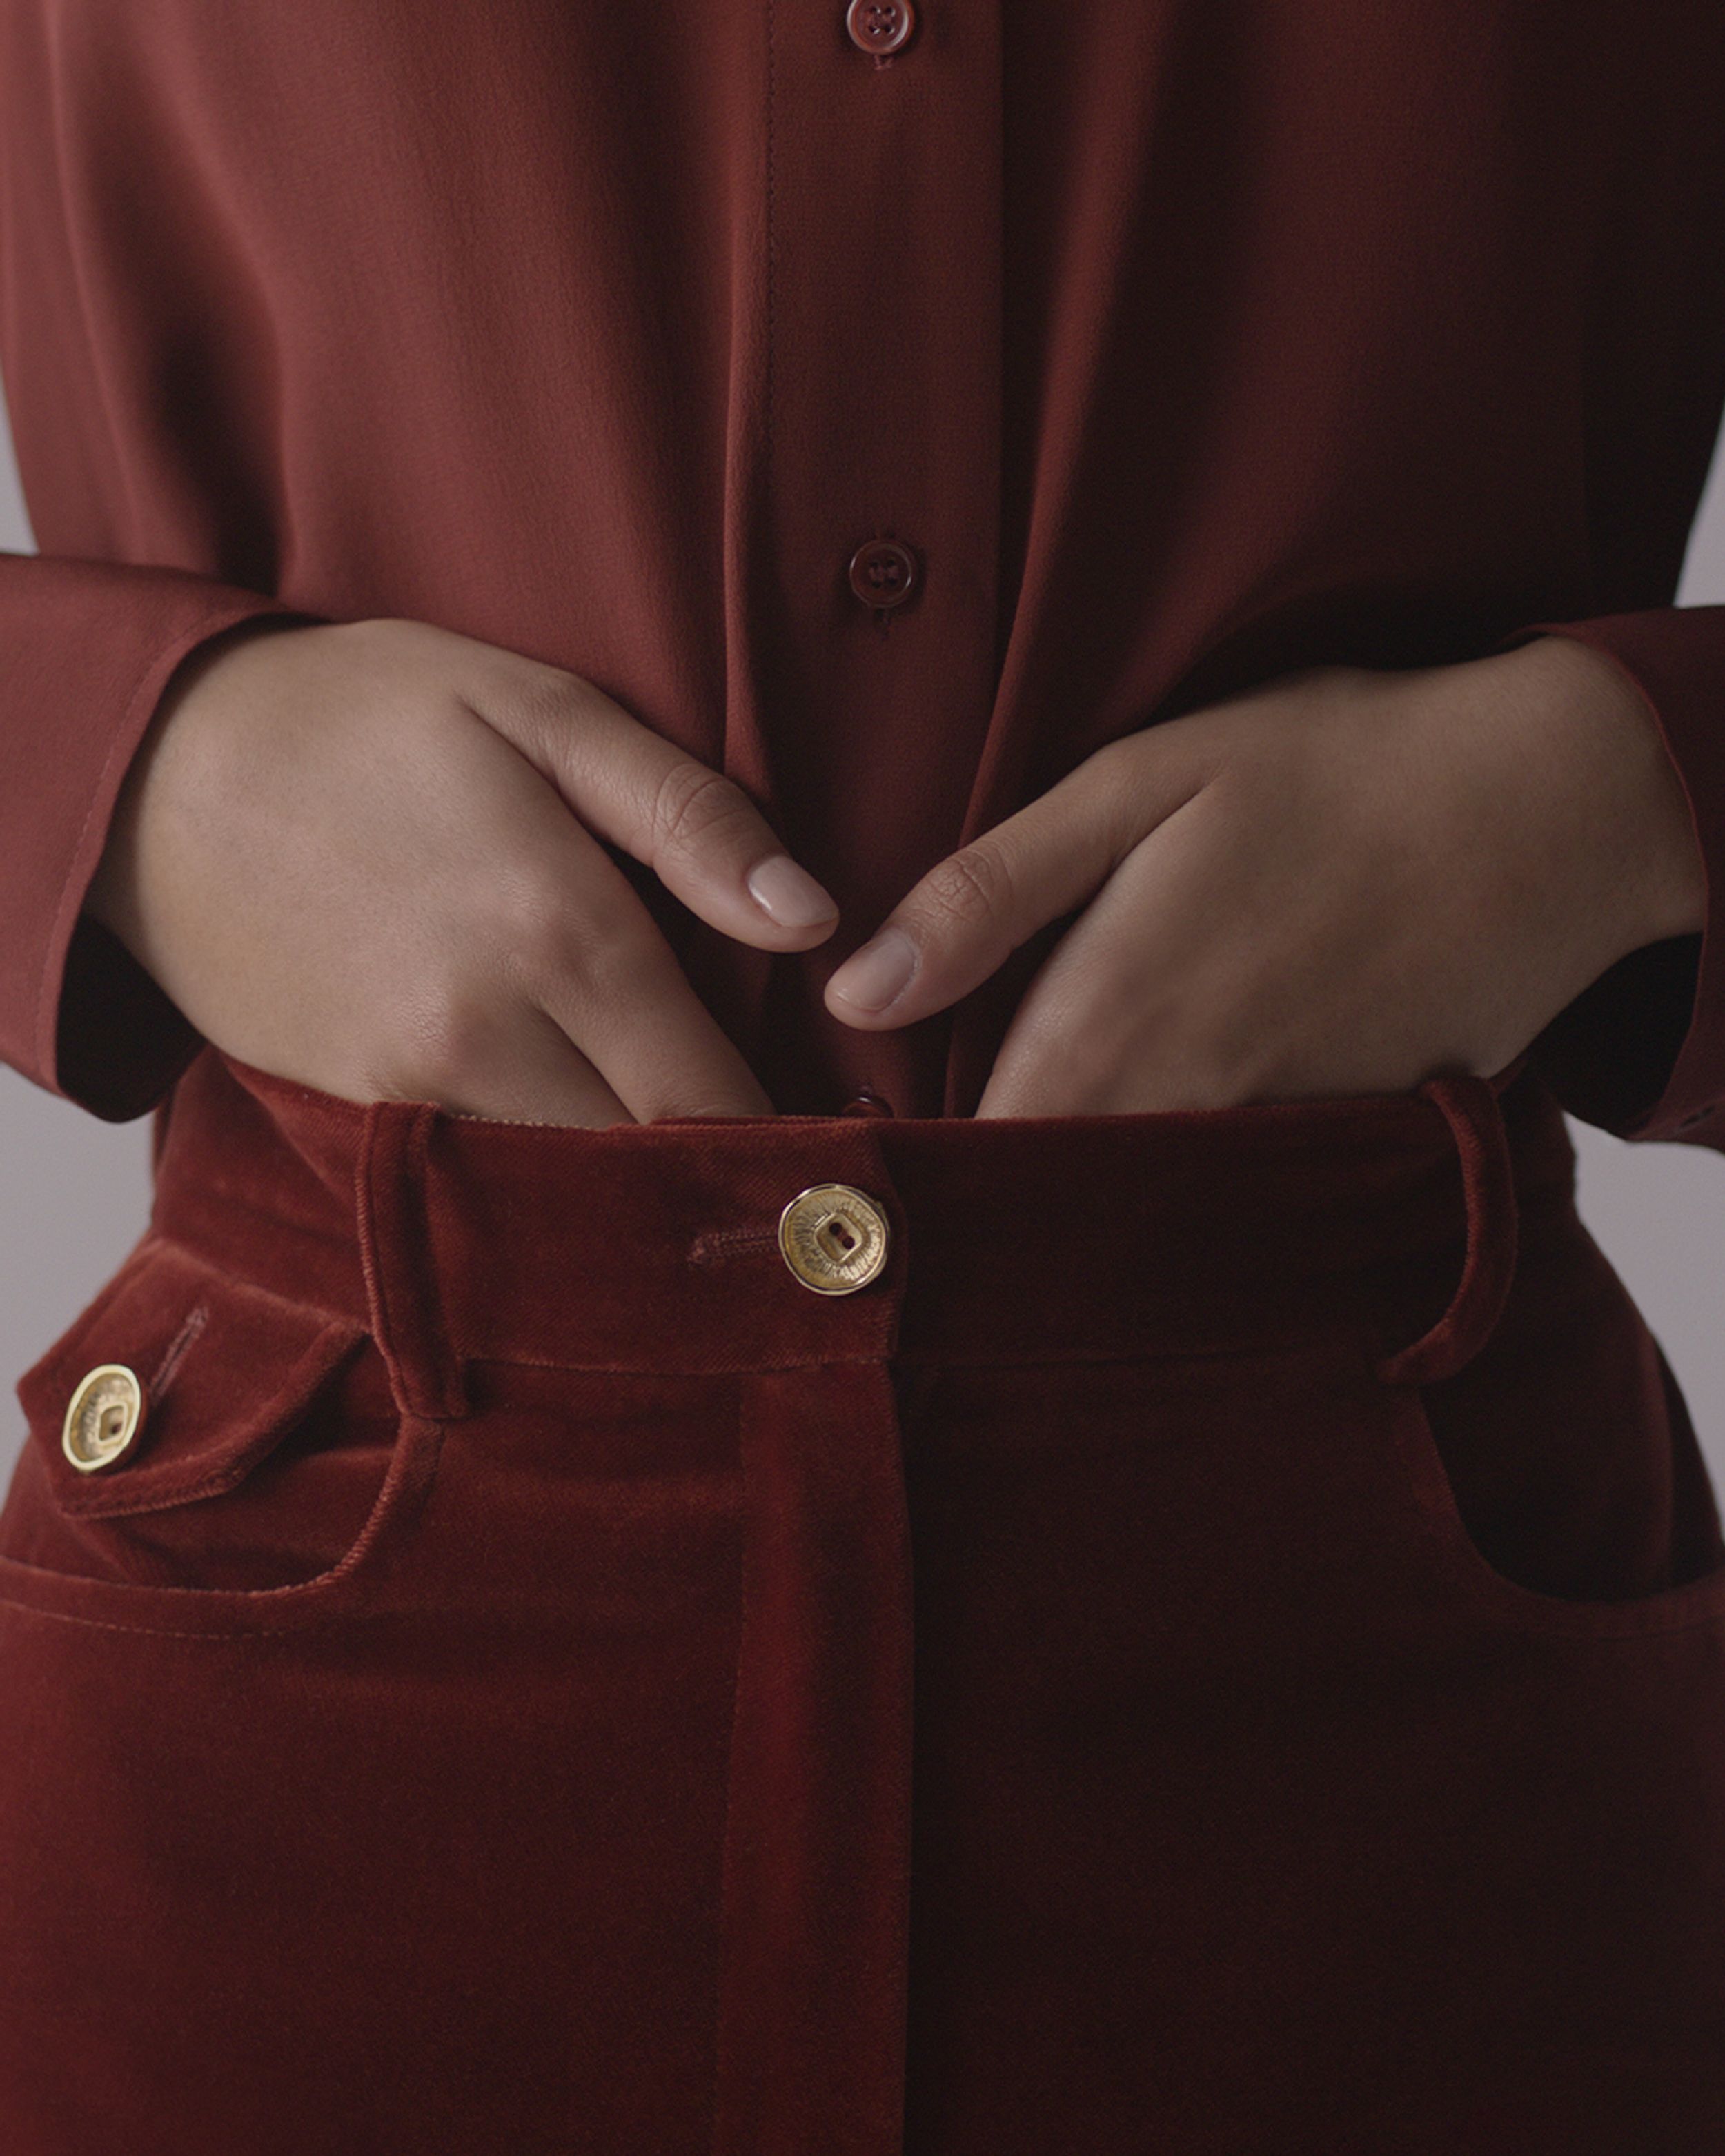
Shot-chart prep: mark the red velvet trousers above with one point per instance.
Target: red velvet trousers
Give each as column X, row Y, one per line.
column 1220, row 1647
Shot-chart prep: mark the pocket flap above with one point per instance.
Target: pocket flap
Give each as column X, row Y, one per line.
column 227, row 1369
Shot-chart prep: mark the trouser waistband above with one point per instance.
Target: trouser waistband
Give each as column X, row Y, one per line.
column 1391, row 1218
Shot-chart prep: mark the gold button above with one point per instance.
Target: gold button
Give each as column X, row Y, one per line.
column 833, row 1238
column 103, row 1417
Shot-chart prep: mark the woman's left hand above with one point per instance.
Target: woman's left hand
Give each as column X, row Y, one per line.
column 1343, row 882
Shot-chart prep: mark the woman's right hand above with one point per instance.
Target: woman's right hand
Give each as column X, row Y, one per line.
column 367, row 855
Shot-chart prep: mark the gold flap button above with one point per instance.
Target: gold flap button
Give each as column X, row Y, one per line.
column 102, row 1418
column 833, row 1238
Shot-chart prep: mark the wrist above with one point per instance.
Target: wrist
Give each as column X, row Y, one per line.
column 1661, row 883
column 111, row 896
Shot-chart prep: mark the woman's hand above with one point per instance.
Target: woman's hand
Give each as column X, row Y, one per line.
column 367, row 855
column 1342, row 883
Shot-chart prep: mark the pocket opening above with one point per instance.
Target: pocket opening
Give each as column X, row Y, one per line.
column 1545, row 1554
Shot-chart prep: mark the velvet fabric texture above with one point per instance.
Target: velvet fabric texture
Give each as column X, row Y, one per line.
column 1219, row 1648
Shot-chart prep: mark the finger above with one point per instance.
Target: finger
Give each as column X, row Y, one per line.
column 530, row 1071
column 606, row 977
column 696, row 829
column 972, row 909
column 551, row 1081
column 1166, row 991
column 1109, row 979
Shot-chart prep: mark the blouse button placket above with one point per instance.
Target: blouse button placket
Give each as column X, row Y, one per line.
column 864, row 641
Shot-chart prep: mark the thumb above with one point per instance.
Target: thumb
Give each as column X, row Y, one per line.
column 972, row 910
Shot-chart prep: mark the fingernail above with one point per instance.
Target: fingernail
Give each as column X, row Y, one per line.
column 872, row 976
column 787, row 894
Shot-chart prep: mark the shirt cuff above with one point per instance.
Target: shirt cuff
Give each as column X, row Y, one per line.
column 91, row 647
column 1641, row 1052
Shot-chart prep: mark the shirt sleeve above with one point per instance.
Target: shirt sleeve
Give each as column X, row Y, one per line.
column 86, row 649
column 1641, row 1052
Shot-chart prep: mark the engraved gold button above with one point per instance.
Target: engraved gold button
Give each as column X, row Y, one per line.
column 102, row 1418
column 833, row 1238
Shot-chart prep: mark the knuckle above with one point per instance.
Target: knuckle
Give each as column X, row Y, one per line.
column 532, row 923
column 449, row 1038
column 692, row 805
column 372, row 633
column 610, row 972
column 545, row 928
column 972, row 887
column 385, row 644
column 539, row 702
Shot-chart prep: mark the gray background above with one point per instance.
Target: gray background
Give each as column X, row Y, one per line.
column 74, row 1191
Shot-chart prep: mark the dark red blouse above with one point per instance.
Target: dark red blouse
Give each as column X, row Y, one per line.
column 1176, row 342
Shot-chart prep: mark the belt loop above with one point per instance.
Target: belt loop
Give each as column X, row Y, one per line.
column 1471, row 1108
column 407, row 1318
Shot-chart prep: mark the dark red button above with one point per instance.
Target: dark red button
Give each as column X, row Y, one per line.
column 882, row 572
column 880, row 26
column 867, row 1102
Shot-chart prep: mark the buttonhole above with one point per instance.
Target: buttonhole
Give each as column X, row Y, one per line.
column 716, row 1245
column 176, row 1348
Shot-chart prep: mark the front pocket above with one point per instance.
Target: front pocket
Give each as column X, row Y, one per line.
column 1621, row 1540
column 268, row 1452
column 1555, row 1478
